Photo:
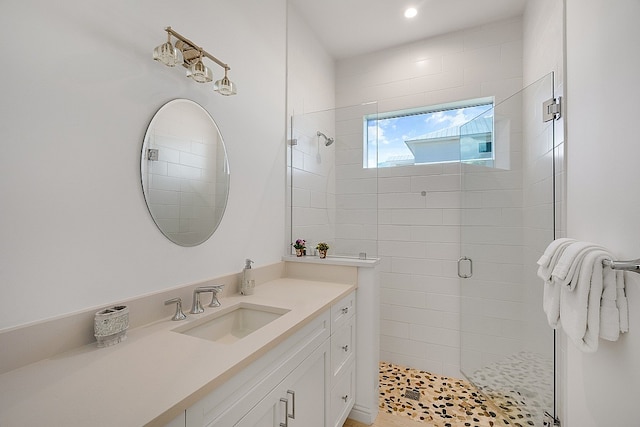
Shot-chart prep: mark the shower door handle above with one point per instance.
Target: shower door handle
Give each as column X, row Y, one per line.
column 460, row 274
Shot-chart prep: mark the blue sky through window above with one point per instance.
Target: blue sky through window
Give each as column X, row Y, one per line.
column 387, row 135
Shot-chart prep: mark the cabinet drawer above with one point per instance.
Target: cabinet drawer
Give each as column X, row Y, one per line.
column 342, row 311
column 342, row 397
column 343, row 342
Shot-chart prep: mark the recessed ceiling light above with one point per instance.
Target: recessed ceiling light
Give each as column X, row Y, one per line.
column 410, row 12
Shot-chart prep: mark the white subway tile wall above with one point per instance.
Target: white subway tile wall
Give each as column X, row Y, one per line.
column 411, row 216
column 419, row 234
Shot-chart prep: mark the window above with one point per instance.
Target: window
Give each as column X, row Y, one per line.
column 436, row 134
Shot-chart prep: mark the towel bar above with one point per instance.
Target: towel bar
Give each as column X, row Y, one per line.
column 633, row 265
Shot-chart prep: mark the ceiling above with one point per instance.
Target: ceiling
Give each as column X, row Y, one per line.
column 351, row 27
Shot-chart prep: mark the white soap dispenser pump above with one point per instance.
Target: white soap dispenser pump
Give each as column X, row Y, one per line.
column 248, row 284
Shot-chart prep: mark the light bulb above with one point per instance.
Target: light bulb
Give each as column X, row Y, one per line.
column 410, row 12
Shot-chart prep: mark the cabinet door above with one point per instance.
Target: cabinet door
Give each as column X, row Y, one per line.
column 270, row 412
column 179, row 421
column 299, row 400
column 308, row 390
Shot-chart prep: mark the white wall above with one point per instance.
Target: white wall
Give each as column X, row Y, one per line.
column 418, row 236
column 310, row 101
column 79, row 88
column 603, row 64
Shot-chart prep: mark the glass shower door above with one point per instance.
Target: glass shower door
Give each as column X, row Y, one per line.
column 507, row 220
column 332, row 198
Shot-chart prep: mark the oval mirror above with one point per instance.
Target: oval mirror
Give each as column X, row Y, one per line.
column 185, row 172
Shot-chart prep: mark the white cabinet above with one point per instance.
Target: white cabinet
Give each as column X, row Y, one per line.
column 307, row 381
column 342, row 311
column 229, row 403
column 298, row 400
column 343, row 343
column 343, row 349
column 342, row 397
column 178, row 421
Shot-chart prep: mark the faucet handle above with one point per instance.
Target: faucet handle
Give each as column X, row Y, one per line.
column 215, row 289
column 179, row 314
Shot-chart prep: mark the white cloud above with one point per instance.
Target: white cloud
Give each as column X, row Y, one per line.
column 449, row 119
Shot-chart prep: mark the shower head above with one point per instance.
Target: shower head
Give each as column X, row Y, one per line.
column 327, row 141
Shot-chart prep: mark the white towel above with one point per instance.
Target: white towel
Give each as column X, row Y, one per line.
column 568, row 266
column 580, row 305
column 549, row 259
column 587, row 299
column 609, row 313
column 551, row 293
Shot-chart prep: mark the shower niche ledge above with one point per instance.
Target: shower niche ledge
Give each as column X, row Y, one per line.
column 333, row 260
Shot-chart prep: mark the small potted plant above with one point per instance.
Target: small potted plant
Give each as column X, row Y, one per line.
column 322, row 248
column 299, row 246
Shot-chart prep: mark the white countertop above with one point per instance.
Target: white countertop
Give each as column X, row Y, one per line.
column 333, row 260
column 156, row 373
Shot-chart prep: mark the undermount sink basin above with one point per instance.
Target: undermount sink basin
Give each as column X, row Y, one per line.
column 232, row 323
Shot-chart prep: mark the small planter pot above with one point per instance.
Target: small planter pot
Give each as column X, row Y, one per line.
column 322, row 253
column 299, row 252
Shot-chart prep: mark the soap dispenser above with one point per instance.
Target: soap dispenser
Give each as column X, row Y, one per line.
column 248, row 284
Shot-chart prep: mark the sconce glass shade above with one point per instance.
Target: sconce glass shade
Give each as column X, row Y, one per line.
column 167, row 54
column 224, row 86
column 200, row 72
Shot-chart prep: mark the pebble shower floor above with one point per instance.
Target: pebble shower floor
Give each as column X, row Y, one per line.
column 443, row 401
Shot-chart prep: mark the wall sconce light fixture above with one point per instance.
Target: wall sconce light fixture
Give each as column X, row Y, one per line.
column 191, row 56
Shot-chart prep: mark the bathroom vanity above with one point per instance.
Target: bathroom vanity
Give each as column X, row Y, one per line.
column 297, row 369
column 308, row 380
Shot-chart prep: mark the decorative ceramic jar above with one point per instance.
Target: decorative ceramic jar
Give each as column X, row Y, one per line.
column 110, row 325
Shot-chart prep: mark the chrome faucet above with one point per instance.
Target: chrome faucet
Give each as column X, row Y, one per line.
column 196, row 306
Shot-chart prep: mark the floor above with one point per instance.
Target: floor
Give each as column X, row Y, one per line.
column 442, row 402
column 387, row 420
column 522, row 383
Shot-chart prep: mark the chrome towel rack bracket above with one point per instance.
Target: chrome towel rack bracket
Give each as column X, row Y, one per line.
column 633, row 265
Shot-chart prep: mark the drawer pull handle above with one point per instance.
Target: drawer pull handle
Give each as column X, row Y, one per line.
column 293, row 404
column 286, row 412
column 345, row 310
column 345, row 347
column 345, row 398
